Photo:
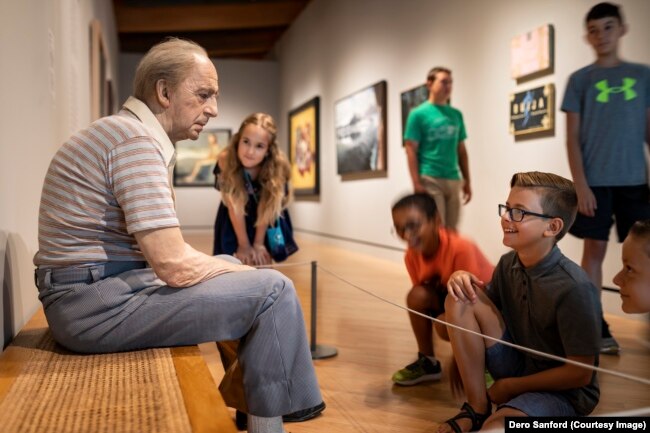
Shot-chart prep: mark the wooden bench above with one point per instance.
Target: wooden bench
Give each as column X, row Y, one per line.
column 173, row 390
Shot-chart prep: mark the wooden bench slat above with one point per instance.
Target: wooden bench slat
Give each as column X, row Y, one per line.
column 205, row 407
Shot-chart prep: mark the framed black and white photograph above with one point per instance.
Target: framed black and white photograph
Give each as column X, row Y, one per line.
column 410, row 99
column 195, row 159
column 360, row 124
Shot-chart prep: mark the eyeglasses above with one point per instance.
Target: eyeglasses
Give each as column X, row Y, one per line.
column 517, row 215
column 410, row 226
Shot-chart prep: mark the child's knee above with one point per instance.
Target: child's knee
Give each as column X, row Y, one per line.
column 418, row 298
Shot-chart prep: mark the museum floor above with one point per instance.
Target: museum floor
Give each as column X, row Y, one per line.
column 374, row 339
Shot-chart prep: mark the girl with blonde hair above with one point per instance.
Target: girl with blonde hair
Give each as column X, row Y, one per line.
column 252, row 175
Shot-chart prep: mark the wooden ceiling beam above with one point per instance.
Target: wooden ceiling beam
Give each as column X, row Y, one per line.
column 217, row 44
column 167, row 19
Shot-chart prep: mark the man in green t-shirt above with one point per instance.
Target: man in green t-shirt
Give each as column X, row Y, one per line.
column 435, row 148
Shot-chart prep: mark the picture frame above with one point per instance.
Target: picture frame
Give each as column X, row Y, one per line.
column 102, row 91
column 195, row 159
column 532, row 111
column 360, row 127
column 304, row 135
column 410, row 99
column 532, row 53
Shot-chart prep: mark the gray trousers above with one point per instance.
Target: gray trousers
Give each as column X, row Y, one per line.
column 108, row 309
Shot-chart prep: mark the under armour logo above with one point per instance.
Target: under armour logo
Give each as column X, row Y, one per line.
column 627, row 90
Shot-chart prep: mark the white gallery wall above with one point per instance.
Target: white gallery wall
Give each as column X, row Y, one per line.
column 337, row 47
column 45, row 88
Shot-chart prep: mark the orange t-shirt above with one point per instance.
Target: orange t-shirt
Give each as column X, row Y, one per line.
column 454, row 253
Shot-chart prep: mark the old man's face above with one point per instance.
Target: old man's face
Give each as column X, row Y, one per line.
column 194, row 101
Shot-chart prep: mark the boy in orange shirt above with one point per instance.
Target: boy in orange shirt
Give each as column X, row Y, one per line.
column 433, row 254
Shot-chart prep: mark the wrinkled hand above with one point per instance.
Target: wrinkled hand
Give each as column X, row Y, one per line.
column 586, row 200
column 501, row 391
column 461, row 286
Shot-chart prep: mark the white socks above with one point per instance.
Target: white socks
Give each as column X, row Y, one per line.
column 258, row 424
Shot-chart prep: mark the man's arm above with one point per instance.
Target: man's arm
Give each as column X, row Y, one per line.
column 177, row 263
column 586, row 200
column 411, row 148
column 567, row 376
column 463, row 163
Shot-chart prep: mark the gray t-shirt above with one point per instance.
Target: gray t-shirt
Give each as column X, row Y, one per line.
column 612, row 104
column 551, row 307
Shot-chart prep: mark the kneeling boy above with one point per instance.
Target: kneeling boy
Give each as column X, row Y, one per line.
column 537, row 298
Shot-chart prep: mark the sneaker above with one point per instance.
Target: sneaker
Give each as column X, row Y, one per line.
column 609, row 346
column 241, row 419
column 419, row 371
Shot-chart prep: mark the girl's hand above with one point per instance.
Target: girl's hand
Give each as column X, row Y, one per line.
column 246, row 254
column 461, row 286
column 262, row 256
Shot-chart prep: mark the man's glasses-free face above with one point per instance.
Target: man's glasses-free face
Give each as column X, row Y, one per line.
column 517, row 215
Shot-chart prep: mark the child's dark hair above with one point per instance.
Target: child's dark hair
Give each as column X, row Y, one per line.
column 641, row 231
column 420, row 200
column 604, row 10
column 558, row 198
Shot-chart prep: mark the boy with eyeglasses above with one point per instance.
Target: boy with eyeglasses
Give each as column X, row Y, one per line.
column 538, row 299
column 432, row 255
column 607, row 105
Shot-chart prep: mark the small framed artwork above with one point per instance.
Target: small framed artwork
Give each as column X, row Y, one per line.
column 101, row 97
column 531, row 53
column 360, row 124
column 532, row 111
column 195, row 159
column 303, row 148
column 410, row 99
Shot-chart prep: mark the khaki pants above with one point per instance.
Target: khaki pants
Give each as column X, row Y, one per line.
column 446, row 193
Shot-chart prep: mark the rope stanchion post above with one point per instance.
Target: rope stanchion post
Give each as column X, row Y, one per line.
column 317, row 351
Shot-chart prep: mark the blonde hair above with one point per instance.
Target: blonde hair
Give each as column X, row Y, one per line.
column 171, row 60
column 557, row 195
column 273, row 176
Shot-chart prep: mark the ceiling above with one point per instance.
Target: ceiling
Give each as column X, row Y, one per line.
column 241, row 29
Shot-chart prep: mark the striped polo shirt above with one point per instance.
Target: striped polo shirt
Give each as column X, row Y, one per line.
column 105, row 183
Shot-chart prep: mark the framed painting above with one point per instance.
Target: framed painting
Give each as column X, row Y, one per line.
column 102, row 91
column 410, row 99
column 304, row 132
column 360, row 124
column 532, row 111
column 531, row 53
column 195, row 159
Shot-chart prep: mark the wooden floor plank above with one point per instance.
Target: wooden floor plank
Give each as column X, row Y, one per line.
column 374, row 339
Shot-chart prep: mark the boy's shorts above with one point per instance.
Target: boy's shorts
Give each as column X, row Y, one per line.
column 623, row 204
column 504, row 361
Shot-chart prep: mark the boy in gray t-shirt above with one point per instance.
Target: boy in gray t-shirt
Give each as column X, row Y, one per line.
column 608, row 112
column 538, row 299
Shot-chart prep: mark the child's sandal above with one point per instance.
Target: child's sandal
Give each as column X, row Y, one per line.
column 468, row 412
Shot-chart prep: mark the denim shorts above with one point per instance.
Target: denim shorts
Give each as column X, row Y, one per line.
column 504, row 361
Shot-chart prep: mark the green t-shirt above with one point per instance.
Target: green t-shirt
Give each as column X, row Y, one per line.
column 437, row 129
